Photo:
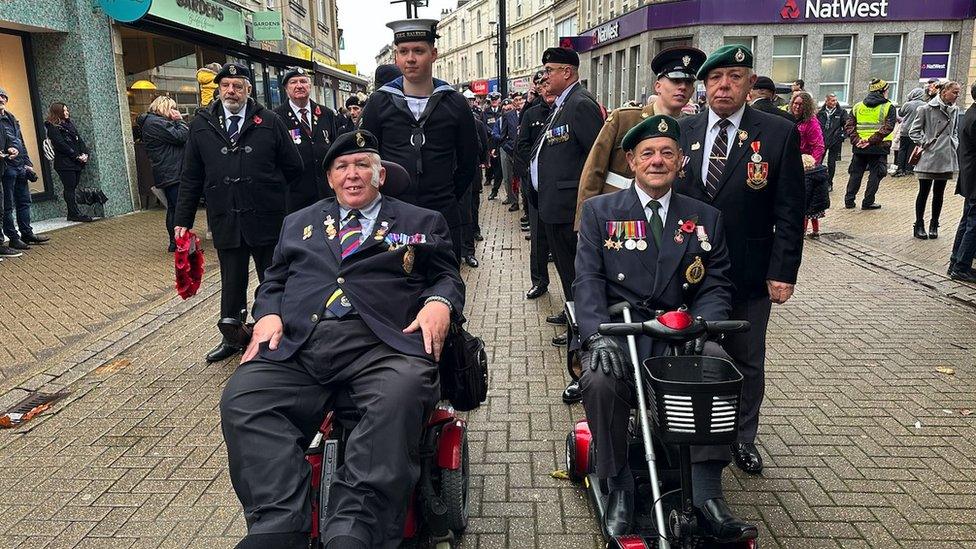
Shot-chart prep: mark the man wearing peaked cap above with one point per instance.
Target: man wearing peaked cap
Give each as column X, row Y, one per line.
column 424, row 125
column 312, row 127
column 747, row 164
column 354, row 307
column 763, row 92
column 635, row 246
column 494, row 119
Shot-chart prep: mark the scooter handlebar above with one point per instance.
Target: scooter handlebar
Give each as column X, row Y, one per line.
column 718, row 327
column 653, row 328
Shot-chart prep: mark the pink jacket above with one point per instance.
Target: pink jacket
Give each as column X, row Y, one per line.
column 811, row 139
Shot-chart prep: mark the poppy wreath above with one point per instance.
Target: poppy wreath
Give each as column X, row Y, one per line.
column 188, row 260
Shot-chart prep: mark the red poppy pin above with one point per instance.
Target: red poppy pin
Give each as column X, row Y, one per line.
column 688, row 226
column 685, row 227
column 318, row 111
column 257, row 119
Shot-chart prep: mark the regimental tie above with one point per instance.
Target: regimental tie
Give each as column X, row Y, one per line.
column 234, row 129
column 657, row 225
column 717, row 158
column 349, row 240
column 306, row 127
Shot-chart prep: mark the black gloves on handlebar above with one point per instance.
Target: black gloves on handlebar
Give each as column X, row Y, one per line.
column 607, row 355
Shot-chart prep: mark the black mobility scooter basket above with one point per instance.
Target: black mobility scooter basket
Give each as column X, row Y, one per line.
column 694, row 399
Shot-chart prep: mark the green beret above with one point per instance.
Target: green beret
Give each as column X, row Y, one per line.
column 733, row 55
column 660, row 125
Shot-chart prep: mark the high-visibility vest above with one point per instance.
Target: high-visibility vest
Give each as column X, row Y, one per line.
column 870, row 119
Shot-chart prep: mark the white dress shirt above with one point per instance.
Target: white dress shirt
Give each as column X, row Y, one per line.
column 240, row 122
column 644, row 198
column 558, row 104
column 712, row 132
column 298, row 115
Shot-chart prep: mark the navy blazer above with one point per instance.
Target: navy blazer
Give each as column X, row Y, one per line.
column 307, row 269
column 651, row 279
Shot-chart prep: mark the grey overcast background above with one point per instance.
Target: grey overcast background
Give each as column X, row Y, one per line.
column 363, row 23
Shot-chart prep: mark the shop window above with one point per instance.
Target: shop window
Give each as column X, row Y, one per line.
column 634, row 70
column 747, row 41
column 787, row 58
column 835, row 67
column 13, row 75
column 936, row 56
column 567, row 27
column 886, row 61
column 607, row 96
column 618, row 69
column 594, row 74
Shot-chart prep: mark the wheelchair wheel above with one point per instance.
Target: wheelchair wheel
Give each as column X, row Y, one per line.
column 454, row 492
column 571, row 457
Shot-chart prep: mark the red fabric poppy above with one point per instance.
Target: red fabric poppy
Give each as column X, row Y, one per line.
column 688, row 226
column 318, row 111
column 257, row 119
column 188, row 260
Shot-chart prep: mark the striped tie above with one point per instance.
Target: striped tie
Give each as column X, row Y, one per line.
column 351, row 234
column 716, row 160
column 234, row 129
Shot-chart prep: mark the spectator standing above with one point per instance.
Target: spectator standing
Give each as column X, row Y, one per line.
column 16, row 190
column 70, row 155
column 916, row 98
column 870, row 128
column 164, row 133
column 832, row 118
column 964, row 247
column 804, row 110
column 797, row 85
column 934, row 129
column 350, row 121
column 510, row 125
column 530, row 129
column 6, row 153
column 492, row 117
column 208, row 88
column 764, row 98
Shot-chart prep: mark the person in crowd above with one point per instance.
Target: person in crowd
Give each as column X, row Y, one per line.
column 804, row 109
column 906, row 115
column 763, row 95
column 931, row 89
column 530, row 129
column 493, row 119
column 350, row 121
column 557, row 162
column 16, row 174
column 656, row 273
column 606, row 169
column 506, row 148
column 473, row 102
column 797, row 85
column 424, row 125
column 964, row 245
column 70, row 155
column 208, row 87
column 7, row 152
column 832, row 117
column 384, row 74
column 164, row 134
column 870, row 128
column 338, row 313
column 471, row 201
column 241, row 157
column 312, row 127
column 747, row 164
column 934, row 129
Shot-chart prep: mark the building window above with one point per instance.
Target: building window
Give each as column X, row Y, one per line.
column 835, row 67
column 479, row 24
column 566, row 27
column 464, row 31
column 479, row 62
column 747, row 41
column 518, row 9
column 321, row 16
column 673, row 43
column 787, row 58
column 936, row 56
column 886, row 61
column 634, row 64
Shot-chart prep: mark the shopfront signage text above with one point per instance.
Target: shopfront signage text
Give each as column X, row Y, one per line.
column 125, row 11
column 610, row 31
column 479, row 87
column 267, row 25
column 204, row 15
column 345, row 86
column 845, row 9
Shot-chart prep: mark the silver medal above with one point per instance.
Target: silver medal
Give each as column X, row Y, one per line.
column 706, row 246
column 641, row 245
column 630, row 244
column 756, row 157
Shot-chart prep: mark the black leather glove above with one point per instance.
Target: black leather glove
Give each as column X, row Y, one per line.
column 607, row 355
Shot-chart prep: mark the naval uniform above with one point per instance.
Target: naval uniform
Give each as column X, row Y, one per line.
column 313, row 139
column 760, row 192
column 434, row 139
column 343, row 310
column 245, row 181
column 609, row 270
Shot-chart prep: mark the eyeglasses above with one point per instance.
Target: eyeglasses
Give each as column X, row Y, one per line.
column 550, row 70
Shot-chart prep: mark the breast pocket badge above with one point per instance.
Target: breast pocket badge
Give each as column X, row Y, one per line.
column 757, row 171
column 695, row 272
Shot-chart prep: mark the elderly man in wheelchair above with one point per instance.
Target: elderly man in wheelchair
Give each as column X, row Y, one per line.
column 355, row 306
column 657, row 251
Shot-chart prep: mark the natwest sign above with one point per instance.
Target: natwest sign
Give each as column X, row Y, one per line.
column 605, row 33
column 837, row 9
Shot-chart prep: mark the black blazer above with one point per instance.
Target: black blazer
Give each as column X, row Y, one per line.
column 312, row 186
column 763, row 222
column 530, row 126
column 564, row 148
column 767, row 106
column 307, row 270
column 966, row 182
column 650, row 279
column 68, row 146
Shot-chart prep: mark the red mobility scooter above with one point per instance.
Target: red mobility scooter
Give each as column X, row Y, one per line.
column 693, row 400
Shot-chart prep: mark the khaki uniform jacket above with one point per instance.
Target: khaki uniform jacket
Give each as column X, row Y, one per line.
column 606, row 155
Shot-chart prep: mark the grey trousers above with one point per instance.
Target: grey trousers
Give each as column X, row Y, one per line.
column 270, row 410
column 748, row 352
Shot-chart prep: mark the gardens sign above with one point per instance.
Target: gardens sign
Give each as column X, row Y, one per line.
column 204, row 15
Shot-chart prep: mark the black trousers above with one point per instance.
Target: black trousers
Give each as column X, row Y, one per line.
column 877, row 167
column 270, row 410
column 748, row 353
column 833, row 155
column 562, row 241
column 69, row 180
column 233, row 275
column 905, row 148
column 608, row 402
column 538, row 244
column 495, row 164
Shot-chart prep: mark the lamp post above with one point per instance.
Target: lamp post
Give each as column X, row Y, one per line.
column 492, row 44
column 502, row 50
column 412, row 6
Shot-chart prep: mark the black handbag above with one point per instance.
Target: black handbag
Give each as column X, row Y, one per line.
column 463, row 369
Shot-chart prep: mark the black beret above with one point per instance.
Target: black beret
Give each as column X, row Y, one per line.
column 349, row 143
column 560, row 55
column 732, row 55
column 660, row 125
column 764, row 83
column 233, row 70
column 539, row 77
column 414, row 30
column 292, row 72
column 353, row 100
column 680, row 63
column 384, row 74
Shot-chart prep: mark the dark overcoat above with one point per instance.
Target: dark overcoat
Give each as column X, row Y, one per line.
column 312, row 186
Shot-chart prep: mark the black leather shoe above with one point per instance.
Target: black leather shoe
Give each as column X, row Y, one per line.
column 223, row 350
column 35, row 238
column 618, row 519
column 561, row 340
column 471, row 261
column 235, row 331
column 747, row 457
column 572, row 393
column 514, row 207
column 18, row 244
column 550, row 259
column 293, row 540
column 718, row 520
column 492, row 196
column 525, row 227
column 962, row 276
column 557, row 319
column 80, row 218
column 872, row 206
column 849, row 205
column 524, row 220
column 508, row 201
column 478, row 237
column 933, row 230
column 528, row 237
column 918, row 230
column 536, row 292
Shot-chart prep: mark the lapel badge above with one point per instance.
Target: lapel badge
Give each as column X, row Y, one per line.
column 695, row 272
column 695, row 146
column 330, row 228
column 381, row 232
column 743, row 135
column 757, row 175
column 360, row 140
column 307, row 233
column 408, row 258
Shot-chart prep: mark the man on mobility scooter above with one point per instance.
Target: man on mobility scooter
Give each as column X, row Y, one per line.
column 356, row 304
column 655, row 250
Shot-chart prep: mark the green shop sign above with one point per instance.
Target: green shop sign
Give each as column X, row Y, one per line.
column 204, row 15
column 267, row 25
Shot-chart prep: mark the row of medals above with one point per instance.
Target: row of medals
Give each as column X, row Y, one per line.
column 613, row 243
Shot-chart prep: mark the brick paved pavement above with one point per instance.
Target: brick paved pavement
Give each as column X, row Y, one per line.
column 866, row 442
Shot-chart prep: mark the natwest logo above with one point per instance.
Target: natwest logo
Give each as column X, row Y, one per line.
column 790, row 10
column 845, row 9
